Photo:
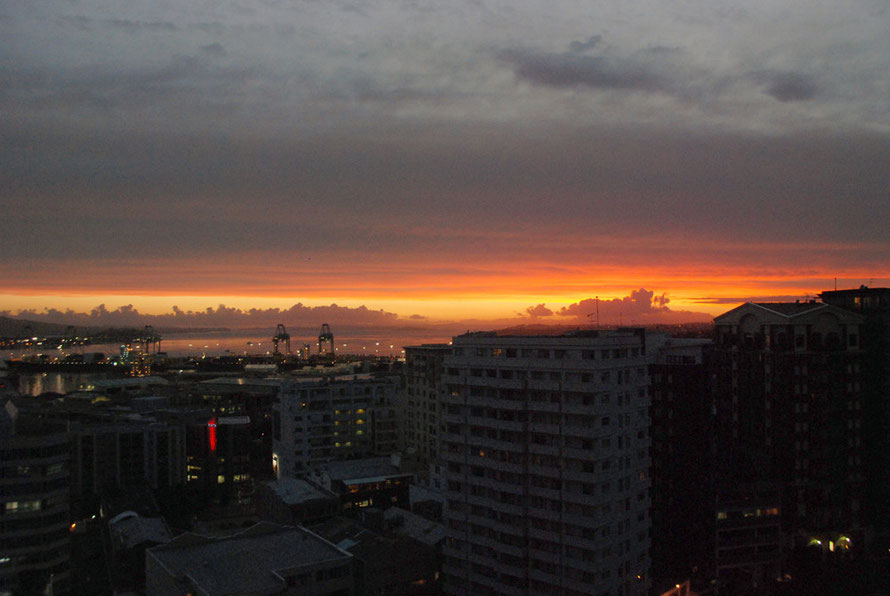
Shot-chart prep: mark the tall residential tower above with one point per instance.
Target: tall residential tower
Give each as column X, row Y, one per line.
column 546, row 455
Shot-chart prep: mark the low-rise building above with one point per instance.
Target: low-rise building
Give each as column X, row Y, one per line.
column 296, row 501
column 264, row 559
column 371, row 482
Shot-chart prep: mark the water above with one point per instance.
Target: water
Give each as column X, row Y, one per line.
column 38, row 383
column 258, row 342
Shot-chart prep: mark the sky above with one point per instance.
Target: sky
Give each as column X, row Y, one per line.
column 464, row 160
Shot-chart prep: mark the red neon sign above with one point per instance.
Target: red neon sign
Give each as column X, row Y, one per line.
column 211, row 429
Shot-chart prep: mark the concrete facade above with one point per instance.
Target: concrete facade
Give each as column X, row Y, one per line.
column 318, row 421
column 546, row 455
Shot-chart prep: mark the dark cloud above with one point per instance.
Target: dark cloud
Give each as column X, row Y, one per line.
column 788, row 86
column 133, row 26
column 539, row 310
column 418, row 318
column 582, row 46
column 214, row 49
column 662, row 50
column 567, row 70
column 79, row 22
column 639, row 307
column 401, row 185
column 221, row 316
column 182, row 88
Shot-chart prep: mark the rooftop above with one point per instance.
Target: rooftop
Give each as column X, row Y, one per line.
column 414, row 526
column 129, row 529
column 243, row 382
column 357, row 469
column 253, row 561
column 790, row 309
column 293, row 491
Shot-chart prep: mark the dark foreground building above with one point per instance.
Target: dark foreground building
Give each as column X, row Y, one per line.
column 789, row 410
column 873, row 305
column 34, row 505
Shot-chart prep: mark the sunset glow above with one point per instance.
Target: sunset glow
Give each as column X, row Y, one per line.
column 440, row 165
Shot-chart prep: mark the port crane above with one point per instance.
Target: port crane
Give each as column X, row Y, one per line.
column 281, row 335
column 150, row 340
column 325, row 341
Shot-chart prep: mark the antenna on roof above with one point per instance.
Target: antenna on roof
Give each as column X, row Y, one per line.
column 597, row 299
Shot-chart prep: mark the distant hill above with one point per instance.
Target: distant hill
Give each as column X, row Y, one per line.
column 16, row 327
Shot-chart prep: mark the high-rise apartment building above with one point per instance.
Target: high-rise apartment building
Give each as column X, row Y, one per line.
column 873, row 304
column 420, row 416
column 788, row 396
column 546, row 463
column 322, row 420
column 683, row 494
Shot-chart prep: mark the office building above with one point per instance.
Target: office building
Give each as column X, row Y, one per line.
column 218, row 460
column 125, row 451
column 321, row 420
column 34, row 504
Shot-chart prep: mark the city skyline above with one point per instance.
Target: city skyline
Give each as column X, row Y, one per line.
column 468, row 161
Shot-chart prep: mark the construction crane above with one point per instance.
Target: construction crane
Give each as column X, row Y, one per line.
column 281, row 335
column 325, row 341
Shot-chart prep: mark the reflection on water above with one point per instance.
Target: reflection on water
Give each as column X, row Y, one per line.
column 38, row 383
